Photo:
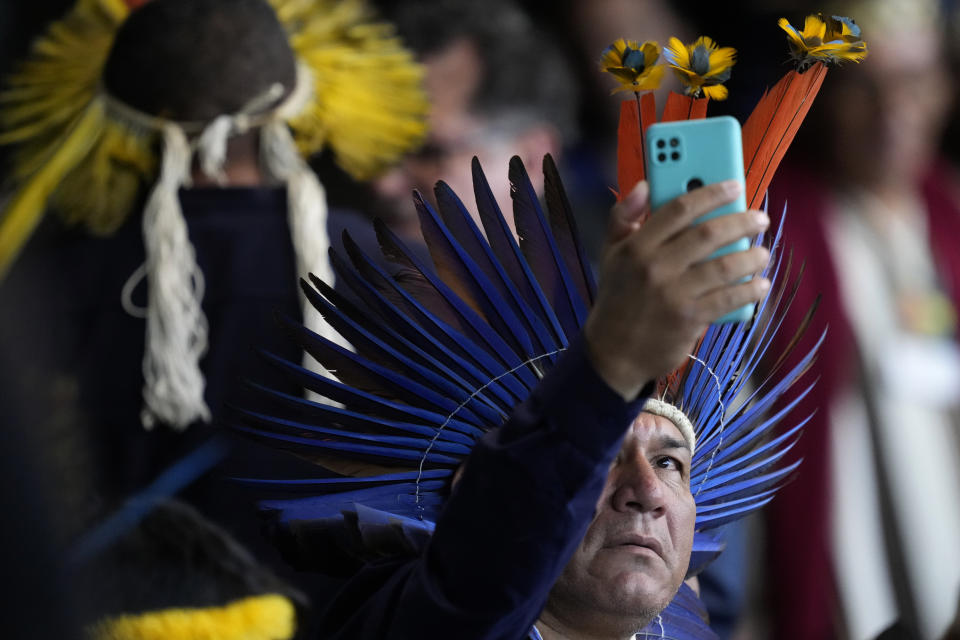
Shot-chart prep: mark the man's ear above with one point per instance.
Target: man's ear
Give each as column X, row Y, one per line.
column 532, row 144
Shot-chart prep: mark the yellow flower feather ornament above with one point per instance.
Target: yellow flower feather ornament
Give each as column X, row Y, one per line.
column 702, row 67
column 832, row 40
column 634, row 66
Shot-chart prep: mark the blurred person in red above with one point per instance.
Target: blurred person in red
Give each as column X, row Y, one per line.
column 866, row 537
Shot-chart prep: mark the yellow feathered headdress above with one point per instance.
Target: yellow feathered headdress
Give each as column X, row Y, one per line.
column 90, row 156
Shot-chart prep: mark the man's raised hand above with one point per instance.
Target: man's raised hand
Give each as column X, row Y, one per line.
column 658, row 291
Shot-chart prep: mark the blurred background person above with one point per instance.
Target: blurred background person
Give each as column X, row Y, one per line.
column 498, row 86
column 865, row 539
column 198, row 115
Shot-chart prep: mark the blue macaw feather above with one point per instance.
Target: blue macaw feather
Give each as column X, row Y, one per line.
column 425, row 298
column 541, row 253
column 505, row 248
column 766, row 312
column 742, row 431
column 449, row 385
column 409, row 332
column 702, row 388
column 391, row 245
column 754, row 438
column 563, row 224
column 763, row 397
column 335, row 504
column 700, row 560
column 717, row 507
column 741, row 335
column 713, row 479
column 358, row 450
column 345, row 418
column 356, row 371
column 768, row 331
column 341, row 484
column 360, row 401
column 461, row 273
column 366, row 334
column 420, row 325
column 718, row 520
column 314, row 433
column 464, row 230
column 757, row 483
column 728, row 461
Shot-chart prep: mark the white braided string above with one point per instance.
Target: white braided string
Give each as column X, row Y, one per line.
column 723, row 411
column 176, row 328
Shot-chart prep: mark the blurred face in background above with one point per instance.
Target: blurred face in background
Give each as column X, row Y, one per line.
column 887, row 114
column 456, row 134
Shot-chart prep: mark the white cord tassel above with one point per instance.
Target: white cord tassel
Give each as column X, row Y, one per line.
column 307, row 214
column 176, row 335
column 212, row 148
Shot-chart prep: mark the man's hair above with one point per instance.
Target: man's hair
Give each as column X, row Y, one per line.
column 196, row 59
column 523, row 72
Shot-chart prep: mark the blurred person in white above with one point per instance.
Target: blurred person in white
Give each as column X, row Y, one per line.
column 879, row 232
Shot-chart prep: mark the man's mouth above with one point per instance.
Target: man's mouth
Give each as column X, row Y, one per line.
column 637, row 542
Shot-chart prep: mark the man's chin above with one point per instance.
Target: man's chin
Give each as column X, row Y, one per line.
column 651, row 589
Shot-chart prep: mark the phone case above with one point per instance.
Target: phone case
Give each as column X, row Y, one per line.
column 687, row 154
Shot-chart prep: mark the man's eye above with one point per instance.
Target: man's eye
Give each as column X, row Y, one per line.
column 666, row 462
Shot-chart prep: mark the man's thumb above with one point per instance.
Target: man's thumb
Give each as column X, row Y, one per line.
column 626, row 216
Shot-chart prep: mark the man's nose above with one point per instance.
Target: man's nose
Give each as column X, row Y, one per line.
column 638, row 488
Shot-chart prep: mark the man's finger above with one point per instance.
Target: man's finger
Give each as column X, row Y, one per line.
column 707, row 276
column 625, row 217
column 730, row 297
column 679, row 213
column 697, row 242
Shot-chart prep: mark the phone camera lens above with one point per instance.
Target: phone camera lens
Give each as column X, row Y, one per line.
column 661, row 157
column 674, row 142
column 675, row 155
column 661, row 144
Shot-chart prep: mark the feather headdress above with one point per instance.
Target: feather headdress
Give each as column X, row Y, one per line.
column 444, row 354
column 86, row 153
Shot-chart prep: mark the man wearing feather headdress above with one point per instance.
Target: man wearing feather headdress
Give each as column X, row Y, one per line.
column 561, row 518
column 494, row 480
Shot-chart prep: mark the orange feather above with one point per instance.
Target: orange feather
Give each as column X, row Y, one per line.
column 681, row 107
column 772, row 125
column 630, row 164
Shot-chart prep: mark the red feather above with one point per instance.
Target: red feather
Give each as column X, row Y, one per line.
column 769, row 130
column 630, row 166
column 681, row 107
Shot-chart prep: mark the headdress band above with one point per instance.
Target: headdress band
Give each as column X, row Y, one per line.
column 666, row 410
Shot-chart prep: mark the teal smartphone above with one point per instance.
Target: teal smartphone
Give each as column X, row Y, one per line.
column 687, row 154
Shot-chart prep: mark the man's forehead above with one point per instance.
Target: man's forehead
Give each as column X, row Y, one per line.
column 675, row 416
column 652, row 427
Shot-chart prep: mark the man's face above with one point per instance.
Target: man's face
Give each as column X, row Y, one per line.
column 636, row 551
